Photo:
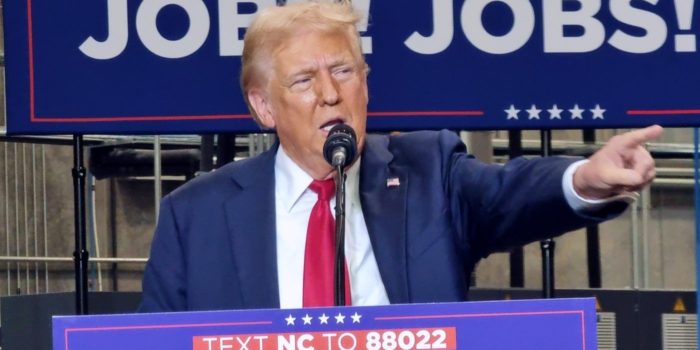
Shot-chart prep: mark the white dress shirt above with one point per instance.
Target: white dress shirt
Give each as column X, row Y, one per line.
column 293, row 204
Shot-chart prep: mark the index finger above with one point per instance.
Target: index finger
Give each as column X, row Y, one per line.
column 639, row 137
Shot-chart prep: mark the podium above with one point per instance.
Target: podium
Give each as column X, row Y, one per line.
column 524, row 324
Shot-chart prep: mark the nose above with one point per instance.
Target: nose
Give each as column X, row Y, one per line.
column 328, row 90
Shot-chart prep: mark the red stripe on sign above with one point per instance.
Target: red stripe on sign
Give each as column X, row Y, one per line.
column 30, row 39
column 413, row 338
column 425, row 113
column 232, row 116
column 663, row 111
column 68, row 331
column 579, row 313
column 140, row 118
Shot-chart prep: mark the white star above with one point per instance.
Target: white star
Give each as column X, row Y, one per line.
column 555, row 112
column 339, row 318
column 290, row 320
column 576, row 113
column 307, row 319
column 512, row 113
column 597, row 112
column 533, row 112
column 356, row 317
column 323, row 318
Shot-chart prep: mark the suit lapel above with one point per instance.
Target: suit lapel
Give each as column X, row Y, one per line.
column 250, row 216
column 384, row 209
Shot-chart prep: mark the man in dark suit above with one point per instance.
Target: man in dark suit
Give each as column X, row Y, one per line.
column 421, row 212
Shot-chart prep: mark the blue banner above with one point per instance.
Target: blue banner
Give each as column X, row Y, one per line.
column 554, row 324
column 172, row 66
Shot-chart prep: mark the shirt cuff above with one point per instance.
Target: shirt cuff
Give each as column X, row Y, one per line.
column 580, row 204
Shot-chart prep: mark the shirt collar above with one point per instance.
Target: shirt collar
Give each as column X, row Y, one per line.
column 291, row 181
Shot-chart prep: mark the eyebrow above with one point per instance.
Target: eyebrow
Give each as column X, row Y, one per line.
column 334, row 63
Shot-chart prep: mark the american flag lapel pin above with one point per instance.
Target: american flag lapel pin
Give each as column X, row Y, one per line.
column 393, row 182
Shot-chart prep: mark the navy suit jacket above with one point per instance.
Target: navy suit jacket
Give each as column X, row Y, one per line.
column 214, row 246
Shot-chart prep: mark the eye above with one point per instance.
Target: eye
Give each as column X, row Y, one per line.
column 301, row 83
column 343, row 71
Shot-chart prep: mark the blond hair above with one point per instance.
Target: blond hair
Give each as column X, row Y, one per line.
column 274, row 25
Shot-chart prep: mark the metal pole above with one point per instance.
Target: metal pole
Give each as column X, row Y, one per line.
column 35, row 213
column 645, row 199
column 339, row 274
column 16, row 210
column 80, row 255
column 547, row 245
column 7, row 222
column 225, row 149
column 696, row 175
column 592, row 234
column 113, row 232
column 636, row 269
column 516, row 257
column 206, row 158
column 157, row 172
column 46, row 237
column 26, row 216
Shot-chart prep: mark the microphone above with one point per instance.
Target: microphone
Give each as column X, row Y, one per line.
column 340, row 146
column 338, row 150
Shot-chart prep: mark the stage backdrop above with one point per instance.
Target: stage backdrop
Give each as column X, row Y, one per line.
column 171, row 66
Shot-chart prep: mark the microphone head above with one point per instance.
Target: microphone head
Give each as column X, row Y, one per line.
column 341, row 135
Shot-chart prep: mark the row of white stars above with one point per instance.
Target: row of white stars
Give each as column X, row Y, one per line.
column 323, row 319
column 555, row 112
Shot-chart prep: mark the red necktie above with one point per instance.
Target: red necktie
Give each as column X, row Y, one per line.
column 319, row 256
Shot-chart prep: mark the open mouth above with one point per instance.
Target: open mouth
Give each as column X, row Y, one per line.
column 330, row 124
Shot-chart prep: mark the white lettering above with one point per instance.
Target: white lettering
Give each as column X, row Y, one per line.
column 652, row 23
column 304, row 338
column 230, row 22
column 363, row 7
column 519, row 34
column 243, row 345
column 209, row 341
column 353, row 341
column 118, row 33
column 443, row 31
column 185, row 46
column 555, row 19
column 284, row 343
column 261, row 339
column 224, row 343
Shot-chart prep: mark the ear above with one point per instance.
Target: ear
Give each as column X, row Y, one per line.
column 260, row 102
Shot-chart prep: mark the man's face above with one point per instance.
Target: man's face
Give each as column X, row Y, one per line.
column 316, row 82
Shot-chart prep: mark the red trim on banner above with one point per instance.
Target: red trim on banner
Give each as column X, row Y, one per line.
column 496, row 314
column 663, row 111
column 30, row 38
column 141, row 118
column 167, row 326
column 36, row 119
column 580, row 313
column 426, row 113
column 235, row 116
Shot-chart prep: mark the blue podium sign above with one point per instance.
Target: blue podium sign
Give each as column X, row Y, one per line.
column 559, row 324
column 172, row 66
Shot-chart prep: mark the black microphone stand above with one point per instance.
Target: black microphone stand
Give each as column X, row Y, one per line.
column 339, row 275
column 547, row 245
